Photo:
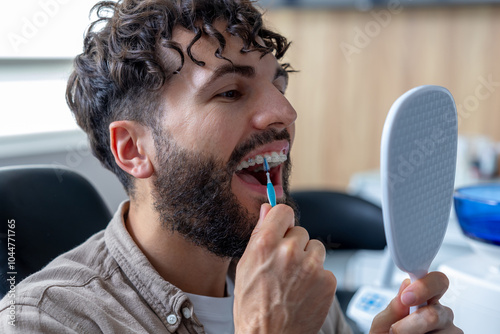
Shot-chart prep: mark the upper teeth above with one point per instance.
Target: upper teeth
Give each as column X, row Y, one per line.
column 273, row 159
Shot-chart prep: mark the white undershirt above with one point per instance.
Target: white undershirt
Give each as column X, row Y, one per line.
column 215, row 314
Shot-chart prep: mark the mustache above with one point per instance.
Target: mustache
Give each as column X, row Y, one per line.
column 258, row 139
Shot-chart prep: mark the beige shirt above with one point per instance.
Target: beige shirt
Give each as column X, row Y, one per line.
column 107, row 285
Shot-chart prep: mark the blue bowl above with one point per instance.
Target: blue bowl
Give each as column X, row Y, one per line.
column 478, row 212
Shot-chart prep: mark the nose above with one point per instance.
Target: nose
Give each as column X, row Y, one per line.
column 273, row 110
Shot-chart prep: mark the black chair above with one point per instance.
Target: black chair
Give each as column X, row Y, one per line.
column 44, row 211
column 341, row 221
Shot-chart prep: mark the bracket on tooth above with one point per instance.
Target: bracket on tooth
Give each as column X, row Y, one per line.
column 274, row 159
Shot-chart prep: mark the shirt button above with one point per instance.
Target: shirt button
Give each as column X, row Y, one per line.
column 172, row 319
column 186, row 313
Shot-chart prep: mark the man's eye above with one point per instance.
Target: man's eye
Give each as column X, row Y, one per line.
column 230, row 94
column 281, row 88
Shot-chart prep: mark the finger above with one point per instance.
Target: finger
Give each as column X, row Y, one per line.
column 291, row 247
column 299, row 235
column 394, row 312
column 427, row 289
column 277, row 220
column 272, row 226
column 316, row 253
column 264, row 210
column 427, row 319
column 316, row 248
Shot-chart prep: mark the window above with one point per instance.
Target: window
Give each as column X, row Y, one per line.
column 39, row 40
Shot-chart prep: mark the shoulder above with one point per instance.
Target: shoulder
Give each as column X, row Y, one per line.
column 29, row 319
column 65, row 287
column 72, row 269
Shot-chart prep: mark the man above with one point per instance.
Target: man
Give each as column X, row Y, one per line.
column 182, row 100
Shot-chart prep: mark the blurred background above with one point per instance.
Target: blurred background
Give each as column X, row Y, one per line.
column 357, row 57
column 354, row 58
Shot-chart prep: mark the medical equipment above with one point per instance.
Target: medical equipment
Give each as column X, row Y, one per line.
column 271, row 194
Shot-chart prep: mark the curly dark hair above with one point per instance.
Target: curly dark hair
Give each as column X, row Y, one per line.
column 121, row 70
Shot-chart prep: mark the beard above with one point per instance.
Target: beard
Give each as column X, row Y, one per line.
column 193, row 196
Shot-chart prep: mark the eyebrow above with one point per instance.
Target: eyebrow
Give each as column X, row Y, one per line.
column 242, row 70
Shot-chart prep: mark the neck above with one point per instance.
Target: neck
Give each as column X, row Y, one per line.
column 180, row 262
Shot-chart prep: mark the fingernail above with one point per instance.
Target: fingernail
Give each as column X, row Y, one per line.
column 391, row 331
column 408, row 298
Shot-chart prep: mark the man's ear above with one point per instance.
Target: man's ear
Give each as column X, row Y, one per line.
column 132, row 146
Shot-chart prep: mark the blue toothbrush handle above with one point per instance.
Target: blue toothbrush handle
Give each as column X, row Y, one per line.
column 271, row 194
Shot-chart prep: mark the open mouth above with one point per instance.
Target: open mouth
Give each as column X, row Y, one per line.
column 252, row 170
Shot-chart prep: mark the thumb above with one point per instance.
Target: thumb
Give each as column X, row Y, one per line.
column 264, row 210
column 392, row 314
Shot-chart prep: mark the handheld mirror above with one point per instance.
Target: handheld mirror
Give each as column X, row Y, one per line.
column 418, row 159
